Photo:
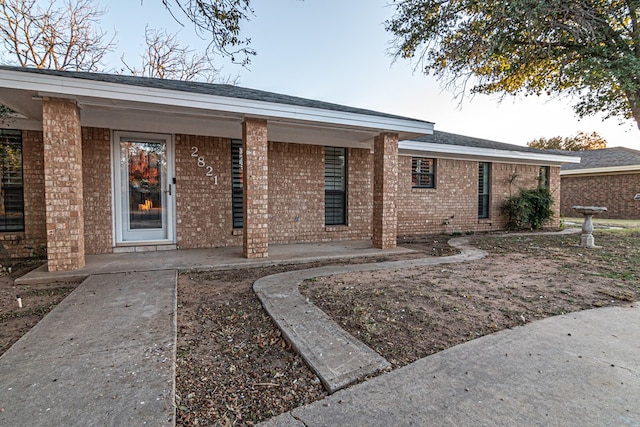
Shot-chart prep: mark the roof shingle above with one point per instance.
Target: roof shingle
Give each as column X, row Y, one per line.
column 603, row 158
column 225, row 90
column 447, row 138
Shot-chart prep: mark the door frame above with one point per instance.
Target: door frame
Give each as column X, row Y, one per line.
column 118, row 235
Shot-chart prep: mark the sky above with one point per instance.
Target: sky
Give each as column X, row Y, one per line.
column 338, row 51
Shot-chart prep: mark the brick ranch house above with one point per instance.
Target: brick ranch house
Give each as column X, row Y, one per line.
column 608, row 177
column 96, row 163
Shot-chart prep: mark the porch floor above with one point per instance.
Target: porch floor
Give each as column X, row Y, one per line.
column 208, row 259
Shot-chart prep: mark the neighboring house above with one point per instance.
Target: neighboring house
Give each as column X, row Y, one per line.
column 96, row 163
column 609, row 177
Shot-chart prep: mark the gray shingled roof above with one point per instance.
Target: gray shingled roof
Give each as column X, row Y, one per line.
column 603, row 158
column 224, row 90
column 446, row 138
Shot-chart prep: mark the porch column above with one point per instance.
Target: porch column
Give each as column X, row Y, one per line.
column 255, row 191
column 385, row 190
column 62, row 137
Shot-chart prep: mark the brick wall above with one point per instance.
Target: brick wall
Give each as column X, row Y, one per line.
column 509, row 179
column 453, row 205
column 97, row 190
column 33, row 241
column 359, row 197
column 62, row 138
column 615, row 192
column 296, row 192
column 296, row 189
column 296, row 195
column 203, row 209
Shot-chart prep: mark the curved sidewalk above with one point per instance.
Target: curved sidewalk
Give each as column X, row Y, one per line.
column 337, row 357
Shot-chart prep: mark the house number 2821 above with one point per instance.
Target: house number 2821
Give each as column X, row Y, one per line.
column 200, row 161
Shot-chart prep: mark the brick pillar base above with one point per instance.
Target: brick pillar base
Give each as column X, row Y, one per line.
column 255, row 189
column 62, row 136
column 385, row 190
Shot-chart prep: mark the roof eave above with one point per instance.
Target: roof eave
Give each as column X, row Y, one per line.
column 61, row 86
column 489, row 154
column 602, row 170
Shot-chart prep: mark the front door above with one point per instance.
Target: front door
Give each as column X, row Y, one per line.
column 144, row 188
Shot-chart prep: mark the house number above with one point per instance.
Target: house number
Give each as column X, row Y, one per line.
column 200, row 161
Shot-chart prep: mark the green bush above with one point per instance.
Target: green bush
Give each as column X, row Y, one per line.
column 528, row 211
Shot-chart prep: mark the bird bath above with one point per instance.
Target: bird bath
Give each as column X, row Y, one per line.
column 586, row 240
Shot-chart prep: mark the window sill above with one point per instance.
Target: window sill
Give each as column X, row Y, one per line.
column 334, row 228
column 236, row 232
column 11, row 236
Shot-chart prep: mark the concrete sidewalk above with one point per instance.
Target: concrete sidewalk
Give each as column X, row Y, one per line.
column 337, row 357
column 104, row 356
column 581, row 369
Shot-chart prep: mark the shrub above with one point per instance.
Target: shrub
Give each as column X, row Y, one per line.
column 528, row 211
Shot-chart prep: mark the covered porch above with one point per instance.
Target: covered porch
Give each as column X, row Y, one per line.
column 228, row 258
column 85, row 216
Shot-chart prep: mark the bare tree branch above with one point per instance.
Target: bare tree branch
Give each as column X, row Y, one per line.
column 166, row 58
column 56, row 37
column 218, row 21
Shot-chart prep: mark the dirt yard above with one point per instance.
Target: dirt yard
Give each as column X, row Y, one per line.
column 37, row 300
column 234, row 368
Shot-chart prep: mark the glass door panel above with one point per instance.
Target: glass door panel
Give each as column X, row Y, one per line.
column 145, row 190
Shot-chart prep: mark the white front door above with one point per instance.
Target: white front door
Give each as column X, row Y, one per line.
column 144, row 202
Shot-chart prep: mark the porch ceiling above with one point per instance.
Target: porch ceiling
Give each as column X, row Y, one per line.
column 144, row 117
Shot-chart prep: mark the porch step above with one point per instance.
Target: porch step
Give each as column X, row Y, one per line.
column 123, row 249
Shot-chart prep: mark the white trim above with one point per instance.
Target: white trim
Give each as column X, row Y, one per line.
column 608, row 169
column 57, row 86
column 485, row 154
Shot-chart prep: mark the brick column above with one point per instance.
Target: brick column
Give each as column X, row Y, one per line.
column 255, row 190
column 385, row 190
column 62, row 138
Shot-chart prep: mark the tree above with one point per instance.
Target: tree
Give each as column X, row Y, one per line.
column 166, row 58
column 54, row 37
column 588, row 49
column 220, row 20
column 580, row 142
column 68, row 38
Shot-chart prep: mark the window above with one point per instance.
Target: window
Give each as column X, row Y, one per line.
column 236, row 183
column 335, row 186
column 543, row 177
column 423, row 172
column 11, row 188
column 484, row 171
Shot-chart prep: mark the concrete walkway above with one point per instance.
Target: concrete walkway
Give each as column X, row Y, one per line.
column 103, row 357
column 582, row 369
column 336, row 356
column 106, row 356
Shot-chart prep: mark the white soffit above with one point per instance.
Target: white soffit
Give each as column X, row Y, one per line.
column 418, row 148
column 606, row 170
column 97, row 92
